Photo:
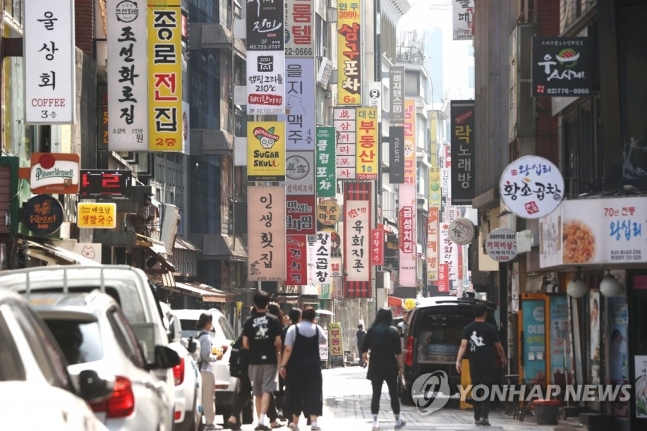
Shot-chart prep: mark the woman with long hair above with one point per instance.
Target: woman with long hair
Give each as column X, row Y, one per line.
column 204, row 327
column 383, row 342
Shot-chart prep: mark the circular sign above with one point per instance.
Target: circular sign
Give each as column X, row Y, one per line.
column 127, row 11
column 462, row 231
column 501, row 244
column 328, row 212
column 296, row 167
column 532, row 187
column 335, row 241
column 409, row 304
column 42, row 214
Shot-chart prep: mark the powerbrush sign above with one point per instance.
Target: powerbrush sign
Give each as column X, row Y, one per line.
column 562, row 66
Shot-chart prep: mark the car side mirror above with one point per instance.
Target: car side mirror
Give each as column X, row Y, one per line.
column 165, row 358
column 94, row 389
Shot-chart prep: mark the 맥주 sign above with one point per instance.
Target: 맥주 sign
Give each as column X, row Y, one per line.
column 501, row 244
column 532, row 187
column 42, row 214
column 54, row 173
column 328, row 212
column 562, row 66
column 97, row 215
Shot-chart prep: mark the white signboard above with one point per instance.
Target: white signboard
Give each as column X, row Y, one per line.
column 50, row 62
column 357, row 225
column 127, row 76
column 322, row 256
column 300, row 173
column 266, row 82
column 89, row 250
column 463, row 12
column 311, row 249
column 462, row 230
column 344, row 120
column 550, row 239
column 323, row 347
column 375, row 98
column 532, row 187
column 501, row 244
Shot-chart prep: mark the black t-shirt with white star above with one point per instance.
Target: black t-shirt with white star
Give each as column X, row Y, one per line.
column 262, row 330
column 481, row 338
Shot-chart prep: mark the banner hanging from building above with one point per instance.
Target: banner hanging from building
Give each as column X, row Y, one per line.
column 349, row 53
column 299, row 28
column 266, row 233
column 300, row 173
column 322, row 256
column 432, row 244
column 377, row 246
column 326, row 175
column 49, row 62
column 366, row 161
column 344, row 120
column 127, row 77
column 396, row 154
column 449, row 255
column 462, row 140
column 265, row 82
column 463, row 12
column 266, row 151
column 357, row 226
column 396, row 94
column 443, row 278
column 265, row 25
column 296, row 257
column 410, row 166
column 299, row 120
column 165, row 76
column 407, row 207
column 300, row 215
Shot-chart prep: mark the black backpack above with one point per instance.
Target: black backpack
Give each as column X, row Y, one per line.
column 238, row 359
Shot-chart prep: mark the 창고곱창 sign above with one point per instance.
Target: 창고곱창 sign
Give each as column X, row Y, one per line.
column 532, row 187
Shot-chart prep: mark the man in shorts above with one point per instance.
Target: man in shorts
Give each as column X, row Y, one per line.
column 262, row 337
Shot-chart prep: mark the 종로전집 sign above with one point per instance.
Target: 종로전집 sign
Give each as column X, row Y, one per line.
column 501, row 244
column 562, row 66
column 532, row 187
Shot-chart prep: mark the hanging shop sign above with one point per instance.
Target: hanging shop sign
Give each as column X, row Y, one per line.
column 96, row 215
column 407, row 235
column 300, row 124
column 463, row 11
column 366, row 147
column 300, row 173
column 432, row 243
column 377, row 246
column 410, row 162
column 396, row 154
column 296, row 259
column 42, row 214
column 265, row 25
column 375, row 99
column 266, row 233
column 532, row 187
column 266, row 151
column 335, row 339
column 97, row 183
column 299, row 28
column 357, row 225
column 322, row 258
column 462, row 150
column 326, row 175
column 501, row 244
column 344, row 120
column 266, row 82
column 462, row 231
column 396, row 94
column 562, row 66
column 54, row 173
column 300, row 214
column 328, row 212
column 349, row 53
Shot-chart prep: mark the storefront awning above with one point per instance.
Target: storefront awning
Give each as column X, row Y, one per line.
column 185, row 244
column 55, row 255
column 157, row 252
column 206, row 292
column 223, row 247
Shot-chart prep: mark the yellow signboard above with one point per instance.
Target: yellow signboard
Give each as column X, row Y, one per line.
column 266, row 151
column 165, row 75
column 366, row 147
column 335, row 340
column 349, row 53
column 97, row 216
column 409, row 304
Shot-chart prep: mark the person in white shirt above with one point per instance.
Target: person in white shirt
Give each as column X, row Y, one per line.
column 204, row 326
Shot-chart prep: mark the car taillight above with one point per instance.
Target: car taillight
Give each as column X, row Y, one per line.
column 178, row 414
column 408, row 356
column 122, row 402
column 178, row 372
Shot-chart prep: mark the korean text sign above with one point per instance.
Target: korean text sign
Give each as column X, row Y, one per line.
column 349, row 53
column 562, row 66
column 462, row 140
column 266, row 82
column 97, row 216
column 296, row 260
column 396, row 154
column 321, row 263
column 344, row 120
column 165, row 76
column 377, row 246
column 265, row 25
column 532, row 187
column 463, row 12
column 410, row 167
column 432, row 244
column 266, row 233
column 357, row 226
column 335, row 339
column 396, row 90
column 50, row 66
column 407, row 238
column 366, row 146
column 127, row 76
column 299, row 120
column 326, row 175
column 501, row 244
column 266, row 151
column 300, row 173
column 300, row 214
column 299, row 28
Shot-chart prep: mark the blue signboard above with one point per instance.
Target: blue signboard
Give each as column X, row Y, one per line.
column 534, row 339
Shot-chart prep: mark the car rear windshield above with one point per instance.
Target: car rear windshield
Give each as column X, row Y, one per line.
column 80, row 341
column 188, row 328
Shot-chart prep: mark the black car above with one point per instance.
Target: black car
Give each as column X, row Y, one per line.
column 434, row 337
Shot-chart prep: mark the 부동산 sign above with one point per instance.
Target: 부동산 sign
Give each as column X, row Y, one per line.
column 562, row 66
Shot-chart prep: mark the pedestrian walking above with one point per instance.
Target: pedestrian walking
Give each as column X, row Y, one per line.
column 301, row 367
column 484, row 345
column 278, row 398
column 262, row 337
column 204, row 326
column 359, row 341
column 385, row 365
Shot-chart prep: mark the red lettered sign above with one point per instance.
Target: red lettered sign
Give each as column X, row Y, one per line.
column 377, row 246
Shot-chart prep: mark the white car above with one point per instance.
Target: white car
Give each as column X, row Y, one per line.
column 36, row 390
column 93, row 333
column 222, row 336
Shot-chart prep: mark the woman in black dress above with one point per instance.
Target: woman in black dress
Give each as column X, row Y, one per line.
column 383, row 342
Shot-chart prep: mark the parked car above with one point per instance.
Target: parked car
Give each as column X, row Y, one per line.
column 188, row 380
column 36, row 389
column 222, row 336
column 93, row 333
column 434, row 336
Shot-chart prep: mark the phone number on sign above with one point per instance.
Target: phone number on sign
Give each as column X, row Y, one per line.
column 567, row 91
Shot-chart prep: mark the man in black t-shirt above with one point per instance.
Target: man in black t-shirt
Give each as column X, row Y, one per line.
column 359, row 340
column 262, row 337
column 484, row 344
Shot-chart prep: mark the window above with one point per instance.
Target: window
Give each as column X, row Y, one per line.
column 12, row 368
column 126, row 337
column 80, row 341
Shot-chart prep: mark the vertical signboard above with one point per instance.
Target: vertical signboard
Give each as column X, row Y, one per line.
column 127, row 76
column 357, row 225
column 443, row 278
column 407, row 234
column 322, row 256
column 300, row 173
column 410, row 141
column 377, row 246
column 326, row 175
column 165, row 76
column 265, row 26
column 49, row 62
column 396, row 94
column 266, row 151
column 299, row 104
column 266, row 233
column 296, row 260
column 396, row 154
column 344, row 120
column 266, row 82
column 300, row 215
column 432, row 244
column 299, row 28
column 463, row 12
column 366, row 146
column 462, row 140
column 349, row 53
